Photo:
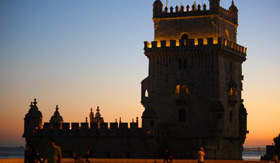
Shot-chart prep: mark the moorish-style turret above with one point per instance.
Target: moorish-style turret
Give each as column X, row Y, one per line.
column 56, row 120
column 32, row 120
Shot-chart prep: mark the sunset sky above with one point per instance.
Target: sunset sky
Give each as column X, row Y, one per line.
column 87, row 53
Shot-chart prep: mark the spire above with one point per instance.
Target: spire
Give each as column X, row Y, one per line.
column 91, row 116
column 97, row 114
column 35, row 102
column 233, row 7
column 56, row 108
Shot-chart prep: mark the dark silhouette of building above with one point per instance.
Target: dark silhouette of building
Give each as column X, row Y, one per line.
column 192, row 95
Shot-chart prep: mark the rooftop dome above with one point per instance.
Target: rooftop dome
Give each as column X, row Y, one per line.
column 158, row 2
column 56, row 118
column 34, row 111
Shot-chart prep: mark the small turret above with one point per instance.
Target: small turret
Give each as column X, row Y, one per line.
column 32, row 120
column 214, row 5
column 234, row 10
column 91, row 116
column 56, row 120
column 157, row 8
column 233, row 7
column 98, row 118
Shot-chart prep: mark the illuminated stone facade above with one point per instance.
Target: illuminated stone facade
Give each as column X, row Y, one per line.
column 192, row 95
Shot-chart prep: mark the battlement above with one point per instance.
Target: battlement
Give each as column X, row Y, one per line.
column 85, row 128
column 195, row 11
column 194, row 44
column 183, row 11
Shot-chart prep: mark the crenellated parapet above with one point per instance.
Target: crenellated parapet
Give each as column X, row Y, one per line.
column 194, row 45
column 85, row 129
column 196, row 11
column 183, row 11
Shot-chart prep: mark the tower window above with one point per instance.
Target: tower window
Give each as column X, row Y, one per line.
column 185, row 38
column 185, row 90
column 146, row 93
column 233, row 92
column 177, row 90
column 182, row 115
column 182, row 90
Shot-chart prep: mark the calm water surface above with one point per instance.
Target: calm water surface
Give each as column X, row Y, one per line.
column 250, row 155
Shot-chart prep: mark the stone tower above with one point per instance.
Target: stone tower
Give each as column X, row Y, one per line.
column 32, row 120
column 192, row 95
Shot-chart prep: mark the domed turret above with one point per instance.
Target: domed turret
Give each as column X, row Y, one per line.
column 56, row 120
column 158, row 6
column 98, row 118
column 33, row 119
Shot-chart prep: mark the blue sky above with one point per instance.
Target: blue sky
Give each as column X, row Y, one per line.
column 86, row 53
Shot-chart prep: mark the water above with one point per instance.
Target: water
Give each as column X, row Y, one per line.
column 11, row 152
column 19, row 153
column 252, row 155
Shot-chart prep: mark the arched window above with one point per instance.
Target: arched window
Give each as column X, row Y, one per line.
column 185, row 90
column 146, row 93
column 182, row 115
column 233, row 92
column 185, row 38
column 177, row 89
column 227, row 34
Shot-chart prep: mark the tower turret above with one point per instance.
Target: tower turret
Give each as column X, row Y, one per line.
column 91, row 116
column 98, row 118
column 214, row 5
column 234, row 11
column 32, row 120
column 157, row 7
column 56, row 120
